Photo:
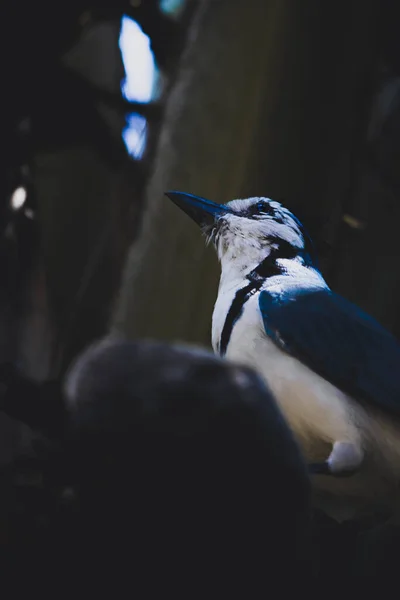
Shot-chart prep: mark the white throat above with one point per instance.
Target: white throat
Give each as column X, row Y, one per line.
column 235, row 267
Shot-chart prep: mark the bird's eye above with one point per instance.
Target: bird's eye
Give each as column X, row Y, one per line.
column 260, row 208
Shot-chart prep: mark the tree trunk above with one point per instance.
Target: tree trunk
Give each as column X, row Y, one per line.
column 171, row 279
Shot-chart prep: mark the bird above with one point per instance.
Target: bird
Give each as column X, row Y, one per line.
column 333, row 369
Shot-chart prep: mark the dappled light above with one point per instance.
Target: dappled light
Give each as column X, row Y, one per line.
column 139, row 84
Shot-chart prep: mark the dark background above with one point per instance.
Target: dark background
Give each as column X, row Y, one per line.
column 298, row 100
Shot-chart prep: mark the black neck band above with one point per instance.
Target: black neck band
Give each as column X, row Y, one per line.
column 267, row 268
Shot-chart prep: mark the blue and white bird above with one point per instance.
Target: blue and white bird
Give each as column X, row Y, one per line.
column 333, row 369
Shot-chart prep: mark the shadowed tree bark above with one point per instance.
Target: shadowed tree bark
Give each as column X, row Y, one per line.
column 314, row 111
column 204, row 148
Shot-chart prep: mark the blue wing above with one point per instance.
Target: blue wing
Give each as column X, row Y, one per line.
column 340, row 342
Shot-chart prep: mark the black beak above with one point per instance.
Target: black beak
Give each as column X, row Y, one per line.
column 202, row 211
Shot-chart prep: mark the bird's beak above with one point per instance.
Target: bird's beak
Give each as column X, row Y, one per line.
column 202, row 211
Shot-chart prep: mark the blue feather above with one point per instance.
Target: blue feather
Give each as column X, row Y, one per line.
column 337, row 340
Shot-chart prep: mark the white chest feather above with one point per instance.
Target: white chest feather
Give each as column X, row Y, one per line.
column 318, row 413
column 316, row 410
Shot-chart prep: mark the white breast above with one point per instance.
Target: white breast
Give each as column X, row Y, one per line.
column 318, row 413
column 316, row 410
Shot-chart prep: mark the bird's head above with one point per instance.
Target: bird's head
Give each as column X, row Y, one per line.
column 247, row 231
